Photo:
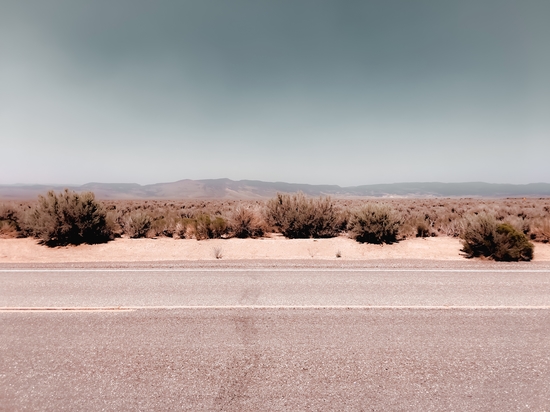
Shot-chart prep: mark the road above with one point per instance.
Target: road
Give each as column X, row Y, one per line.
column 401, row 335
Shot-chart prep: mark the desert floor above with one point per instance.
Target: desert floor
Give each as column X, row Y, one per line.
column 276, row 247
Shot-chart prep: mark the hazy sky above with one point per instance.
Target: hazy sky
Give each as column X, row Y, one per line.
column 337, row 92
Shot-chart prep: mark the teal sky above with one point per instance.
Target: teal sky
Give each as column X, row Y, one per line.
column 322, row 92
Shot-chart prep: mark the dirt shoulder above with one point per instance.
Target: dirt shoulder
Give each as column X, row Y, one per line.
column 166, row 249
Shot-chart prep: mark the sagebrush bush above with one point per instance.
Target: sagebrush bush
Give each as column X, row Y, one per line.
column 185, row 228
column 207, row 227
column 297, row 216
column 8, row 229
column 137, row 224
column 10, row 221
column 484, row 235
column 245, row 223
column 69, row 218
column 541, row 229
column 374, row 223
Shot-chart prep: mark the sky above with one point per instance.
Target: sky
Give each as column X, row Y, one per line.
column 304, row 91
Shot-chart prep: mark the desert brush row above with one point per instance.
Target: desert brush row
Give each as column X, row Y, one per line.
column 501, row 229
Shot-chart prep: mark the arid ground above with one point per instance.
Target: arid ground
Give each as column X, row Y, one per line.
column 274, row 247
column 430, row 230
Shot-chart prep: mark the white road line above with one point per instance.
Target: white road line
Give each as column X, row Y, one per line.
column 134, row 308
column 204, row 270
column 67, row 310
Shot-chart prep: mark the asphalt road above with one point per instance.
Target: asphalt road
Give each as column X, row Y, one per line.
column 417, row 336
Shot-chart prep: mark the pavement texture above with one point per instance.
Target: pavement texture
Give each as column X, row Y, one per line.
column 397, row 336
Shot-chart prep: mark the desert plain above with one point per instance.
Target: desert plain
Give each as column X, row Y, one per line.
column 430, row 231
column 173, row 321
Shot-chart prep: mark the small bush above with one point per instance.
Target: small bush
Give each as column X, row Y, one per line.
column 218, row 252
column 375, row 224
column 185, row 228
column 484, row 235
column 541, row 230
column 69, row 219
column 208, row 228
column 137, row 224
column 512, row 244
column 8, row 229
column 296, row 216
column 245, row 223
column 10, row 222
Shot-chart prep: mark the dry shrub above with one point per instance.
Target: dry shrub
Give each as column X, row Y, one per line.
column 114, row 222
column 374, row 223
column 8, row 229
column 218, row 252
column 417, row 225
column 69, row 218
column 137, row 224
column 423, row 228
column 297, row 216
column 245, row 223
column 10, row 221
column 484, row 235
column 207, row 227
column 185, row 228
column 178, row 218
column 540, row 229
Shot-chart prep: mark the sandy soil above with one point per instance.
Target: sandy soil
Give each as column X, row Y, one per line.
column 164, row 249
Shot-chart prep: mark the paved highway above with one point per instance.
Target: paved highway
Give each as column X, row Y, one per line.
column 259, row 336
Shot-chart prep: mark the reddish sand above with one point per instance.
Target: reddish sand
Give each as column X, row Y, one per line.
column 276, row 247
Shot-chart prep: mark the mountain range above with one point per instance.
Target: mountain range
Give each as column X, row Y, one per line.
column 255, row 189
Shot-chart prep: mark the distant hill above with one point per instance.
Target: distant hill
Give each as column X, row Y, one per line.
column 255, row 189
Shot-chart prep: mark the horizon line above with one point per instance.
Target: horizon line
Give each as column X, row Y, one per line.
column 267, row 181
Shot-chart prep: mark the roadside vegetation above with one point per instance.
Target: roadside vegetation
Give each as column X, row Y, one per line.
column 70, row 218
column 484, row 236
column 375, row 223
column 297, row 216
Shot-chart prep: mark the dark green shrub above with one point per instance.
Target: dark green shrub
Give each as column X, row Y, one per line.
column 374, row 223
column 512, row 244
column 297, row 216
column 483, row 235
column 69, row 218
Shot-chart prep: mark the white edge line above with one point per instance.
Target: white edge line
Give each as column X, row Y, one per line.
column 188, row 307
column 199, row 270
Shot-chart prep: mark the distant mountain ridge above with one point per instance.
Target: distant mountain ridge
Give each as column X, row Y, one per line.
column 255, row 189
